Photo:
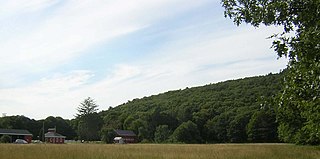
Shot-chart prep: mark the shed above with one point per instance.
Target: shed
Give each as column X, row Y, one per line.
column 118, row 140
column 127, row 136
column 53, row 137
column 17, row 134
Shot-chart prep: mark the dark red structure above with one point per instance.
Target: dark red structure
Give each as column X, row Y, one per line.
column 17, row 134
column 53, row 137
column 127, row 136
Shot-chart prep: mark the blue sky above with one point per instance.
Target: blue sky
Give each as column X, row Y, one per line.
column 55, row 53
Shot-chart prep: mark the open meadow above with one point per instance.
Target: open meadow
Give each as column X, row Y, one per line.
column 155, row 151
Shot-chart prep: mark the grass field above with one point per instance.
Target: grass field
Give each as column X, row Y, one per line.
column 153, row 151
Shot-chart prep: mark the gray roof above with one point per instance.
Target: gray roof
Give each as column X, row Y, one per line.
column 14, row 132
column 125, row 133
column 53, row 134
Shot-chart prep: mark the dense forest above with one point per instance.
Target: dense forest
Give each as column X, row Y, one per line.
column 233, row 111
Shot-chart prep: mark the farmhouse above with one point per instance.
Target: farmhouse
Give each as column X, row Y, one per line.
column 53, row 137
column 125, row 136
column 17, row 134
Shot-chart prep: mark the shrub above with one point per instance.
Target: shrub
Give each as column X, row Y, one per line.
column 5, row 139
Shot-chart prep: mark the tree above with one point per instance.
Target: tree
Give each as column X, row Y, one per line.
column 262, row 127
column 299, row 102
column 187, row 132
column 200, row 118
column 89, row 121
column 144, row 134
column 88, row 106
column 112, row 119
column 237, row 127
column 162, row 133
column 107, row 135
column 5, row 139
column 217, row 127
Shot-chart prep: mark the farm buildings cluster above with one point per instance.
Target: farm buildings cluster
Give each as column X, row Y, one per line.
column 24, row 136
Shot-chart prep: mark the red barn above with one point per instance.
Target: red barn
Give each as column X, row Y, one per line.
column 53, row 137
column 17, row 134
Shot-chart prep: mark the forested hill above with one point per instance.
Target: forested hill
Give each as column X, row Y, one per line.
column 232, row 111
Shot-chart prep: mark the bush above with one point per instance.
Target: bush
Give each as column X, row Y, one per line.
column 5, row 139
column 187, row 133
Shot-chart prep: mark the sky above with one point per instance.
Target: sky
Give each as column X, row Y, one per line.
column 56, row 53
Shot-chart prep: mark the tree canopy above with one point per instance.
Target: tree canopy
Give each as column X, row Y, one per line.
column 88, row 106
column 299, row 102
column 88, row 121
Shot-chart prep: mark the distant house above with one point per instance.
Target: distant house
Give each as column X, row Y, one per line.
column 17, row 134
column 125, row 136
column 53, row 137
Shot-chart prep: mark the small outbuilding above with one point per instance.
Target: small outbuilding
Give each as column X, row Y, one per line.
column 125, row 136
column 53, row 137
column 118, row 140
column 17, row 134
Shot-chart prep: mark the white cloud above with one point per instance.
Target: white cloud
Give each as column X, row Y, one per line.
column 73, row 28
column 9, row 7
column 49, row 96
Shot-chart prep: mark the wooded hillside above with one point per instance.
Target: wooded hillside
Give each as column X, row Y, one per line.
column 232, row 111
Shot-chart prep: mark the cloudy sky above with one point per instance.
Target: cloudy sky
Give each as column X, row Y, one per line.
column 55, row 53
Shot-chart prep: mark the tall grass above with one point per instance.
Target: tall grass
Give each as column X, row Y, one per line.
column 153, row 151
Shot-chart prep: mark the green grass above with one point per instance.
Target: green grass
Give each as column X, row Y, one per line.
column 154, row 151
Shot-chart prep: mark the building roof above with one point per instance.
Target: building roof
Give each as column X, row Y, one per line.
column 118, row 138
column 53, row 134
column 15, row 132
column 125, row 133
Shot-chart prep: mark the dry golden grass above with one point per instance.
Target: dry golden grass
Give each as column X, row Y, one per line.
column 154, row 151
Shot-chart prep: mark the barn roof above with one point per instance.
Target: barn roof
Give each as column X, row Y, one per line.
column 15, row 132
column 53, row 134
column 125, row 133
